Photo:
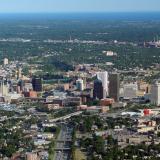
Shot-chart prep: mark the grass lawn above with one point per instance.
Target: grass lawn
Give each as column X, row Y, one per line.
column 79, row 155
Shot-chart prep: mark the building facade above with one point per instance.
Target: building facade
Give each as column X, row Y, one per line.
column 37, row 84
column 103, row 77
column 98, row 90
column 80, row 84
column 114, row 85
column 155, row 93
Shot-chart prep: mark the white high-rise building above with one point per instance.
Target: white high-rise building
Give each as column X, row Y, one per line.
column 155, row 93
column 80, row 84
column 103, row 77
column 4, row 89
column 5, row 61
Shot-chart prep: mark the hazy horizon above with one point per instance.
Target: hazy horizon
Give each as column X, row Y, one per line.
column 19, row 6
column 85, row 15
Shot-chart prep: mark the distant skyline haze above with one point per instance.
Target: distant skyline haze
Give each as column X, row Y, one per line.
column 45, row 6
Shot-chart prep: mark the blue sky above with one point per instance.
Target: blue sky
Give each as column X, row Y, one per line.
column 78, row 5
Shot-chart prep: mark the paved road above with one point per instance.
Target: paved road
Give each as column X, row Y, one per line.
column 63, row 144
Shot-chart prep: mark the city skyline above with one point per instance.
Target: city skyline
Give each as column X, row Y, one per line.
column 28, row 6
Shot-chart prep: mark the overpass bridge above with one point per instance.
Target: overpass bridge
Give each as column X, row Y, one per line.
column 65, row 117
column 62, row 149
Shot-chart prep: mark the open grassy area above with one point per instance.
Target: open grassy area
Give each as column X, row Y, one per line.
column 78, row 155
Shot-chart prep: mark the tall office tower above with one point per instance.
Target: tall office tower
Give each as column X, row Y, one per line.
column 19, row 72
column 4, row 89
column 114, row 85
column 155, row 92
column 103, row 77
column 80, row 84
column 37, row 84
column 98, row 90
column 5, row 61
column 20, row 86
